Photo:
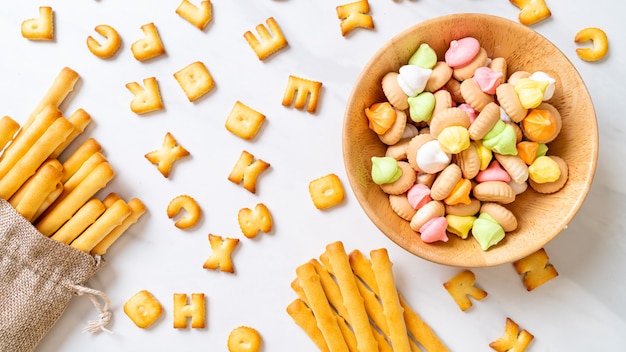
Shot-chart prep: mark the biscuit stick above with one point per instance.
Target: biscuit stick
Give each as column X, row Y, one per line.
column 333, row 295
column 112, row 217
column 80, row 119
column 91, row 163
column 48, row 201
column 79, row 222
column 76, row 160
column 8, row 128
column 30, row 162
column 137, row 210
column 391, row 304
column 335, row 298
column 62, row 85
column 352, row 300
column 326, row 320
column 17, row 196
column 27, row 138
column 302, row 315
column 420, row 330
column 63, row 210
column 41, row 185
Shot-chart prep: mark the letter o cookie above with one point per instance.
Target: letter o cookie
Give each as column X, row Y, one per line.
column 244, row 339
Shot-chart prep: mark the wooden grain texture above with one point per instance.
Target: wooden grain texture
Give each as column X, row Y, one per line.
column 540, row 217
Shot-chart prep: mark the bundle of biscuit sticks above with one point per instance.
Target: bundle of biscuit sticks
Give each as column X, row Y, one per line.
column 53, row 227
column 59, row 197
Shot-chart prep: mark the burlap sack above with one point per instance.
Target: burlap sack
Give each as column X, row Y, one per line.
column 38, row 277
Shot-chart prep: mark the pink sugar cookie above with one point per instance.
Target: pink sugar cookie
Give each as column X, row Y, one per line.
column 495, row 172
column 469, row 110
column 418, row 195
column 434, row 230
column 487, row 79
column 461, row 52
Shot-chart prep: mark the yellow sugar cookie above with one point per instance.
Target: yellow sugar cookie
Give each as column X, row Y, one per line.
column 446, row 118
column 552, row 187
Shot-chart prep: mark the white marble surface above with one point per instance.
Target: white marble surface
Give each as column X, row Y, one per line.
column 582, row 309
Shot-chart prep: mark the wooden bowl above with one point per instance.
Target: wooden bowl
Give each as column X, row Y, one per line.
column 540, row 217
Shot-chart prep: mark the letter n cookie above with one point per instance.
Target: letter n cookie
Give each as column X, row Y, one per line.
column 535, row 269
column 461, row 287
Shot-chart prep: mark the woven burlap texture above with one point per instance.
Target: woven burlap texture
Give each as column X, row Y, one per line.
column 38, row 276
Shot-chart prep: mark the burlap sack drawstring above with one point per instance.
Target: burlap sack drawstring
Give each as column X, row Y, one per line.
column 105, row 315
